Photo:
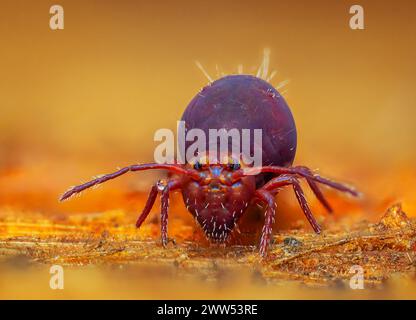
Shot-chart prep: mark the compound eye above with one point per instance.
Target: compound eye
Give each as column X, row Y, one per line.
column 197, row 165
column 234, row 166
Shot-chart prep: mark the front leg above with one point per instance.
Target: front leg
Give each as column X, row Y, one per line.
column 266, row 233
column 266, row 194
column 149, row 204
column 284, row 180
column 165, row 189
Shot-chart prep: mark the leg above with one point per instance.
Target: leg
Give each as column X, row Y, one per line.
column 285, row 180
column 164, row 210
column 136, row 167
column 149, row 204
column 266, row 194
column 266, row 232
column 165, row 189
column 299, row 171
column 164, row 216
column 315, row 189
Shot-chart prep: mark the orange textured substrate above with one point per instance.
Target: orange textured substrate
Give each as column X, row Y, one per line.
column 382, row 249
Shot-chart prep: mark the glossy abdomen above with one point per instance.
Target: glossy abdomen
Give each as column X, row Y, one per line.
column 246, row 102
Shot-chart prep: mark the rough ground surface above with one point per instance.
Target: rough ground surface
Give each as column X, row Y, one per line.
column 383, row 250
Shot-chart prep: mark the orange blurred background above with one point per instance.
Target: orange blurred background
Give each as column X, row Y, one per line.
column 84, row 100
